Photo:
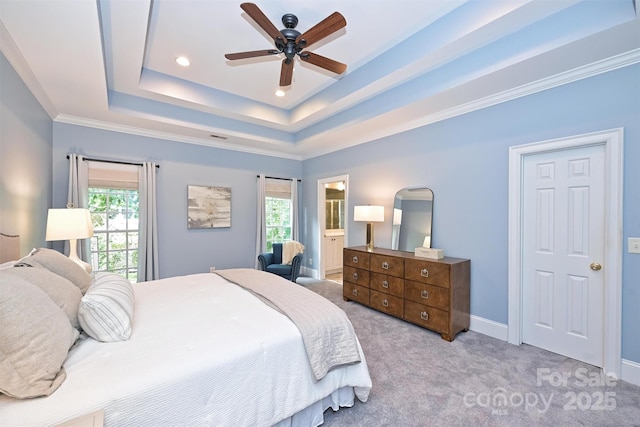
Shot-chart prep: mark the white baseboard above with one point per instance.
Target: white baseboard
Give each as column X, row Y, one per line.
column 310, row 272
column 489, row 327
column 630, row 372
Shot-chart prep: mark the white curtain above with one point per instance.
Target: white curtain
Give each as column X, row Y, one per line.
column 78, row 197
column 261, row 223
column 148, row 236
column 295, row 234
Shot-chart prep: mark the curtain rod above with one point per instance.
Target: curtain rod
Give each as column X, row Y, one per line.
column 118, row 162
column 276, row 177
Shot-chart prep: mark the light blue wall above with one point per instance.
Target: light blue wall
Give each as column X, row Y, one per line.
column 465, row 161
column 25, row 161
column 182, row 251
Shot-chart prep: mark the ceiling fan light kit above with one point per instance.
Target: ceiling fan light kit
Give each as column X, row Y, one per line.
column 291, row 42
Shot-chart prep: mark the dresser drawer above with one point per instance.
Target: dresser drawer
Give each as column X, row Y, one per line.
column 355, row 293
column 426, row 316
column 433, row 294
column 356, row 259
column 387, row 303
column 422, row 293
column 393, row 266
column 433, row 273
column 387, row 284
column 357, row 276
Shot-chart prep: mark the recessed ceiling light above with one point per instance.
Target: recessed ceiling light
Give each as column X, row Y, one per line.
column 183, row 60
column 279, row 92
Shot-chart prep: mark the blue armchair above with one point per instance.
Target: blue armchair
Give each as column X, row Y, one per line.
column 272, row 262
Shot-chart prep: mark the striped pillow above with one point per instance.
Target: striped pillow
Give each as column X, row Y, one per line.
column 106, row 309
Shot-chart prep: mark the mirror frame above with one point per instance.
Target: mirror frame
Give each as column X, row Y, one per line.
column 417, row 229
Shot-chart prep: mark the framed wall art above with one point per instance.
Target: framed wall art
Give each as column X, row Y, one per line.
column 208, row 207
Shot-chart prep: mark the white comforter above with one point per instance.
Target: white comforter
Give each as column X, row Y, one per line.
column 202, row 352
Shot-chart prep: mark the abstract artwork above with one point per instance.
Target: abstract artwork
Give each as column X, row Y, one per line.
column 208, row 207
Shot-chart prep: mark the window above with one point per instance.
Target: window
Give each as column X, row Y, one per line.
column 278, row 219
column 278, row 211
column 114, row 206
column 114, row 245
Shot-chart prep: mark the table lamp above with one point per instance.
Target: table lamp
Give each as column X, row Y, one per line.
column 70, row 224
column 369, row 214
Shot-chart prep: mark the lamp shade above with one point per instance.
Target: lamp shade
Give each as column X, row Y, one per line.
column 368, row 213
column 68, row 223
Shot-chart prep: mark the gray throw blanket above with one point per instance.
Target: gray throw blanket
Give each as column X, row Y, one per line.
column 326, row 331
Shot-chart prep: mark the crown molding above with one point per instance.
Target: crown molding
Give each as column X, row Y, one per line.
column 583, row 72
column 19, row 63
column 590, row 70
column 133, row 130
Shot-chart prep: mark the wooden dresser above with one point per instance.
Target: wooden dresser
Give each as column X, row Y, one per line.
column 433, row 294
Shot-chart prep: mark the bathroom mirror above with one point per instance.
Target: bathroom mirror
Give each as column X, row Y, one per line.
column 334, row 205
column 412, row 216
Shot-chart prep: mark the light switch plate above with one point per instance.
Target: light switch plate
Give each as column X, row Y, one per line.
column 634, row 245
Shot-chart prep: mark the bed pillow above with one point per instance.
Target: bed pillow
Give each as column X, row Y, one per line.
column 64, row 293
column 59, row 264
column 106, row 309
column 35, row 338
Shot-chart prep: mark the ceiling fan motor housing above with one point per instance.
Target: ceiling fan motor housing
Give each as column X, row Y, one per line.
column 289, row 48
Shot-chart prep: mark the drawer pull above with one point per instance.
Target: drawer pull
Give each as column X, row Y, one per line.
column 425, row 294
column 355, row 260
column 355, row 292
column 424, row 272
column 385, row 265
column 385, row 302
column 424, row 315
column 385, row 284
column 355, row 276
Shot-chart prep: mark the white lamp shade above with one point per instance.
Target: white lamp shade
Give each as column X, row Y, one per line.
column 68, row 223
column 368, row 213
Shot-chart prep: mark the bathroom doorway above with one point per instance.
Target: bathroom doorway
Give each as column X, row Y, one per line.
column 332, row 220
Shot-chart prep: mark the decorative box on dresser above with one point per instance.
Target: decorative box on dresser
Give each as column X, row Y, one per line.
column 431, row 293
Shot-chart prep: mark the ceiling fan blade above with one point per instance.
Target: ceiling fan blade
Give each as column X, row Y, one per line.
column 324, row 28
column 251, row 54
column 323, row 62
column 256, row 14
column 286, row 74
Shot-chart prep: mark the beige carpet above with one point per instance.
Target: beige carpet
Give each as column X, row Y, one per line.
column 421, row 380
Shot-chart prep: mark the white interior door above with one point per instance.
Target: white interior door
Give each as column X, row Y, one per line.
column 563, row 244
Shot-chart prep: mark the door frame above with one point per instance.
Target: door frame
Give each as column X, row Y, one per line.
column 612, row 140
column 322, row 222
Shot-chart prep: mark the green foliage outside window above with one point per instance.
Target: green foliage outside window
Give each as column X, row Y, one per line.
column 278, row 220
column 114, row 246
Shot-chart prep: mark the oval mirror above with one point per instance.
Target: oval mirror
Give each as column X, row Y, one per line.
column 412, row 216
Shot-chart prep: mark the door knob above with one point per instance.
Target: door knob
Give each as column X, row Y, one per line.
column 595, row 266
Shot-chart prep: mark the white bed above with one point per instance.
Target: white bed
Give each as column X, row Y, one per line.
column 203, row 352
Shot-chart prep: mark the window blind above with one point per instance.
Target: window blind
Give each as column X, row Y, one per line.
column 278, row 188
column 113, row 175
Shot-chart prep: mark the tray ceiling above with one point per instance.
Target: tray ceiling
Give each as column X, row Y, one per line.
column 111, row 64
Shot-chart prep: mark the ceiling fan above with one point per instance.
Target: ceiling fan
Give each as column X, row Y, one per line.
column 290, row 42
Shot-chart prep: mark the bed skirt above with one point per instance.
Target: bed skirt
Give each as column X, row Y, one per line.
column 313, row 415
